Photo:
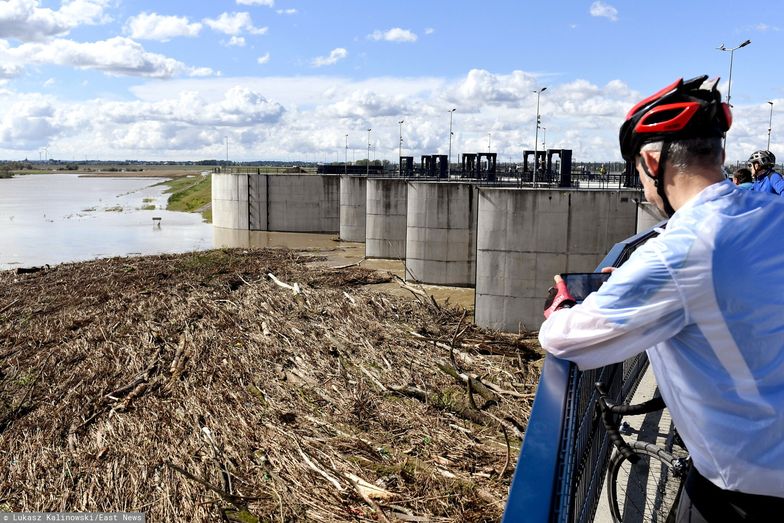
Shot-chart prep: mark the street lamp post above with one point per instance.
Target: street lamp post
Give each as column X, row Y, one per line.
column 729, row 85
column 536, row 135
column 544, row 138
column 345, row 158
column 400, row 150
column 488, row 142
column 367, row 171
column 449, row 158
column 770, row 123
column 227, row 152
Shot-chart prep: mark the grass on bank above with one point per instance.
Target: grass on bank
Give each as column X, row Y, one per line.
column 190, row 194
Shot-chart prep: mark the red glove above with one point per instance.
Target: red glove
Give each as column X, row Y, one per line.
column 558, row 298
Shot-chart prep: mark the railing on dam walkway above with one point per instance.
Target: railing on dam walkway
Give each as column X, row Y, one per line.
column 564, row 457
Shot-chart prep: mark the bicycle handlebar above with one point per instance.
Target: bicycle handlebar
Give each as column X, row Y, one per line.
column 608, row 409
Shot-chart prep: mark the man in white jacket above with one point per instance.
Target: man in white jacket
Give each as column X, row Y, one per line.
column 705, row 299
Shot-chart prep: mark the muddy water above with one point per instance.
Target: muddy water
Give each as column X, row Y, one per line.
column 338, row 253
column 56, row 218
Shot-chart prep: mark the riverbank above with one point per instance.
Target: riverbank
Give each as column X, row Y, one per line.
column 189, row 190
column 190, row 194
column 199, row 386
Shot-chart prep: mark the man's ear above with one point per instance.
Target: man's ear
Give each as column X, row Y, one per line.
column 650, row 161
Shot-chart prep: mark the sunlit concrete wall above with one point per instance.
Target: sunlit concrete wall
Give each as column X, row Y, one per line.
column 441, row 233
column 230, row 200
column 257, row 202
column 525, row 236
column 387, row 201
column 353, row 208
column 303, row 203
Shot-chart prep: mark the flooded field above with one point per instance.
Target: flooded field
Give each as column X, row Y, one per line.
column 56, row 218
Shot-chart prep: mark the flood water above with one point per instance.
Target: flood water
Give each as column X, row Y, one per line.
column 56, row 218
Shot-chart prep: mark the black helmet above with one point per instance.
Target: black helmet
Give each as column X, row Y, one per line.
column 690, row 109
column 765, row 158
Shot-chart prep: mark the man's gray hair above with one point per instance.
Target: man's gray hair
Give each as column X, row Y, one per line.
column 693, row 152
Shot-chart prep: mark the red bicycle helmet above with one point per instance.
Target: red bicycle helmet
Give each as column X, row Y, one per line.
column 682, row 110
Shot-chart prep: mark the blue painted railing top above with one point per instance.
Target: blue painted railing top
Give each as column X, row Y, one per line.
column 564, row 456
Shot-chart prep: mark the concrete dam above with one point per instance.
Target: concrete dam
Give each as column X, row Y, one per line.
column 505, row 242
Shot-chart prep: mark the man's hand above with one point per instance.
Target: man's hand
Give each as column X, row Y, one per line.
column 558, row 297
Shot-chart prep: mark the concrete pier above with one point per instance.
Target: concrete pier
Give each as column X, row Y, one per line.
column 230, row 201
column 303, row 203
column 353, row 205
column 387, row 202
column 647, row 216
column 441, row 233
column 526, row 236
column 276, row 202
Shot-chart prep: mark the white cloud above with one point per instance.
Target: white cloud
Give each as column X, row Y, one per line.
column 334, row 56
column 240, row 106
column 429, row 30
column 286, row 11
column 268, row 3
column 604, row 10
column 396, row 34
column 115, row 56
column 236, row 41
column 483, row 87
column 9, row 70
column 25, row 20
column 308, row 116
column 764, row 28
column 152, row 26
column 50, row 82
column 367, row 104
column 234, row 24
column 263, row 59
column 28, row 123
column 197, row 72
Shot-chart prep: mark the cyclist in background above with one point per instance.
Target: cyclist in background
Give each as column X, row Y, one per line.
column 742, row 178
column 766, row 179
column 714, row 335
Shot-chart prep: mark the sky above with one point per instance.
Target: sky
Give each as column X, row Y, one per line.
column 305, row 79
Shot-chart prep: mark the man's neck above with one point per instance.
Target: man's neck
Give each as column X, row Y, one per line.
column 686, row 186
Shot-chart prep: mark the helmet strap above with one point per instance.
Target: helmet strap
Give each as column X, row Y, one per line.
column 658, row 178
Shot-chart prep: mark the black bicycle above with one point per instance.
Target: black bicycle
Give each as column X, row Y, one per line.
column 644, row 480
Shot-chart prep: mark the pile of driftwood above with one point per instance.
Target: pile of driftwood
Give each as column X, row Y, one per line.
column 251, row 386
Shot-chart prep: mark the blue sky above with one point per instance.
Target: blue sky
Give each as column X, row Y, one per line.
column 288, row 79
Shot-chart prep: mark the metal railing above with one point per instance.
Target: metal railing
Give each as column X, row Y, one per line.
column 562, row 464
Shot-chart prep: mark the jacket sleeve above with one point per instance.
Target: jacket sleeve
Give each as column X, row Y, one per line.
column 639, row 306
column 777, row 183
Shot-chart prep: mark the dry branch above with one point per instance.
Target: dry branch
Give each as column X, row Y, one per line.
column 110, row 369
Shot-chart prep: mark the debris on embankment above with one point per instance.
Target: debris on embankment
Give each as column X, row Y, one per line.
column 249, row 386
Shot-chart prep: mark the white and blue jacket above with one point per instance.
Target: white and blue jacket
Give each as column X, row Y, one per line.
column 706, row 300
